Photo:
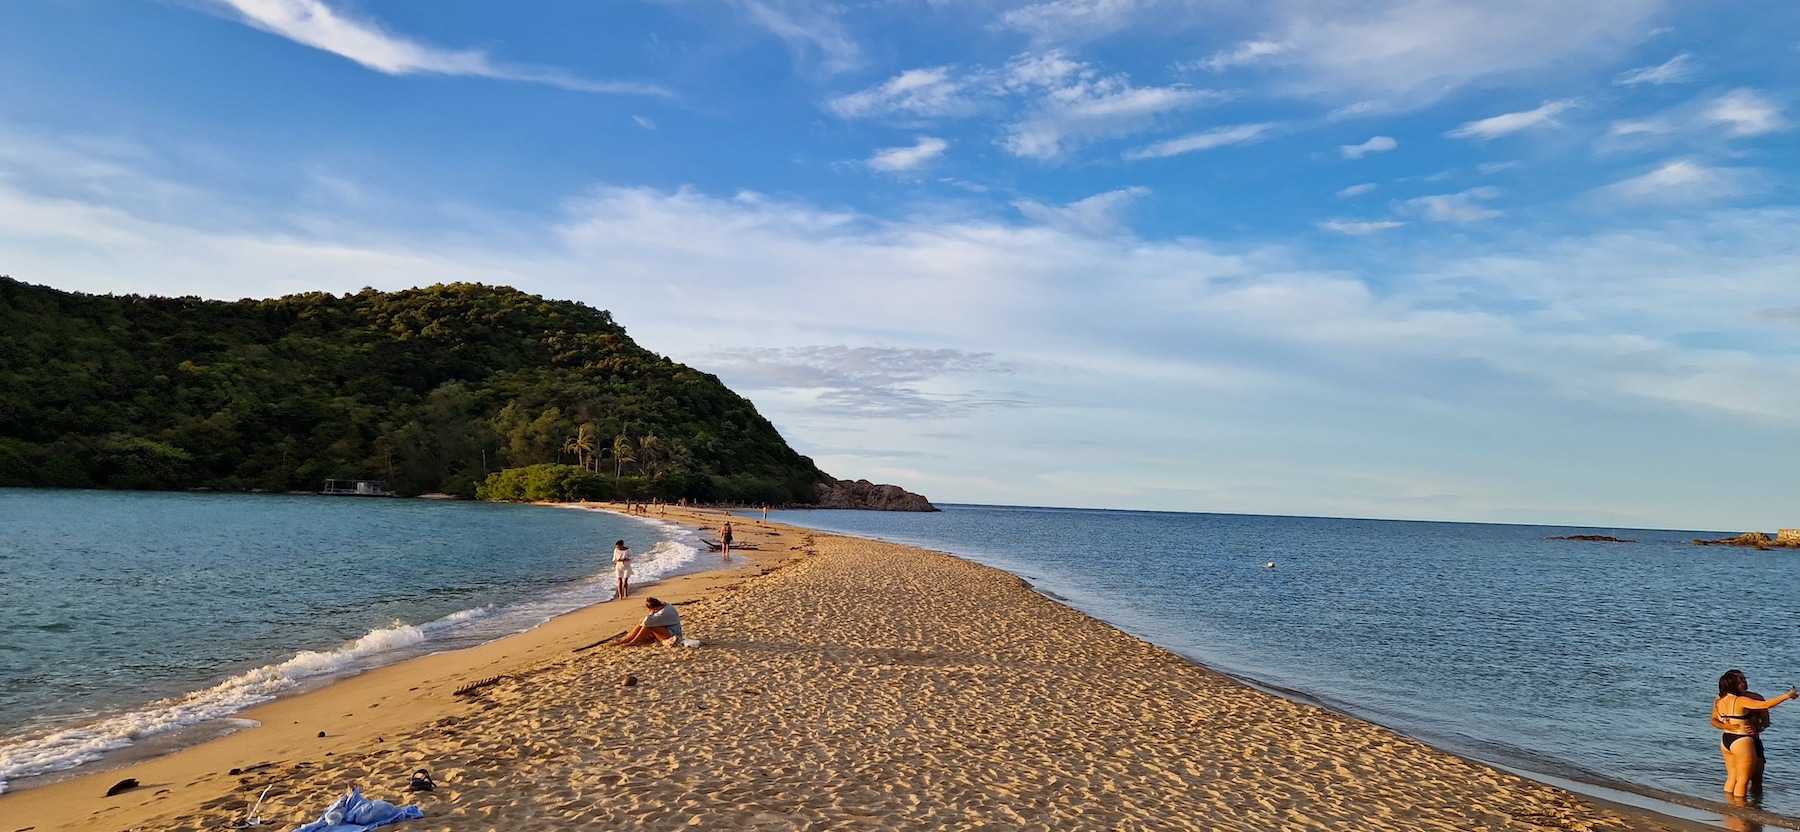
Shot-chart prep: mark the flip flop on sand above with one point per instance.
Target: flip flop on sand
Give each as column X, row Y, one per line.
column 421, row 782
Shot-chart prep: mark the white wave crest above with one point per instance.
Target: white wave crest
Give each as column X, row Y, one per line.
column 66, row 748
column 69, row 747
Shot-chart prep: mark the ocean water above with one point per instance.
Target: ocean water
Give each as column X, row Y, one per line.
column 1593, row 662
column 126, row 617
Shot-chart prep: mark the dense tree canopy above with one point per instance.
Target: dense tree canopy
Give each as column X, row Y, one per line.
column 431, row 389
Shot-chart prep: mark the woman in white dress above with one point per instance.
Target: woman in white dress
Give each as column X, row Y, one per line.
column 622, row 567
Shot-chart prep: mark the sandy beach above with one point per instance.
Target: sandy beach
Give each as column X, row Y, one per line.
column 843, row 684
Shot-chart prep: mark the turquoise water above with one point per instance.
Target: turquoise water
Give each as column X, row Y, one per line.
column 126, row 616
column 1596, row 662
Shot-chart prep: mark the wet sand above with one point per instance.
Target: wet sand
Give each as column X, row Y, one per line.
column 844, row 684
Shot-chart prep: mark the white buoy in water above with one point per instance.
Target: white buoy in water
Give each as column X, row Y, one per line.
column 1269, row 565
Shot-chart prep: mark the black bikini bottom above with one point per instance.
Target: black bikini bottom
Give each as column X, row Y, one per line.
column 1728, row 739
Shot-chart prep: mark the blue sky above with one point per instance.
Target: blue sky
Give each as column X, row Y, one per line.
column 1527, row 261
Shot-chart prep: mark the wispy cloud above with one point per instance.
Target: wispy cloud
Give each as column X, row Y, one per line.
column 1404, row 53
column 1203, row 140
column 868, row 382
column 1099, row 215
column 316, row 24
column 1244, row 54
column 1733, row 114
column 1501, row 125
column 1075, row 105
column 929, row 92
column 1673, row 71
column 1359, row 228
column 1461, row 207
column 1063, row 21
column 1686, row 181
column 1357, row 190
column 810, row 30
column 1059, row 103
column 1378, row 144
column 898, row 159
column 1745, row 112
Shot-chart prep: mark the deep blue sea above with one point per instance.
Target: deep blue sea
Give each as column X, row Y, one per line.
column 1596, row 662
column 130, row 617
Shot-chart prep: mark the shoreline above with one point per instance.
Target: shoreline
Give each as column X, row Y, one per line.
column 418, row 698
column 1635, row 797
column 136, row 731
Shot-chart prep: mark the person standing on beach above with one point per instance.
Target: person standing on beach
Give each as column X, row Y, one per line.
column 1736, row 713
column 622, row 567
column 765, row 512
column 725, row 541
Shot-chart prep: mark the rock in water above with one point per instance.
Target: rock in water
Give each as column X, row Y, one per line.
column 862, row 494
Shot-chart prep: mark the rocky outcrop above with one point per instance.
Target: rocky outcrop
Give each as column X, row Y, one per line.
column 862, row 494
column 1755, row 539
column 1595, row 538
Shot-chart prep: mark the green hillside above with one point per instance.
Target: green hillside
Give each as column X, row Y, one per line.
column 430, row 389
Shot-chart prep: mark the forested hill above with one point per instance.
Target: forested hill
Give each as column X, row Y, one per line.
column 429, row 389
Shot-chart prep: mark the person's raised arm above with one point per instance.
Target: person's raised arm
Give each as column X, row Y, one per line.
column 1764, row 704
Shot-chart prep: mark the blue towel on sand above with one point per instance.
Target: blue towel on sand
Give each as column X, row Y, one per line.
column 361, row 813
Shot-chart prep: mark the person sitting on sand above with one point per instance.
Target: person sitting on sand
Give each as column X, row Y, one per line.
column 1740, row 745
column 622, row 568
column 662, row 624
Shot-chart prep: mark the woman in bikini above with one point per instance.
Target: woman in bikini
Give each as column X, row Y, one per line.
column 1740, row 715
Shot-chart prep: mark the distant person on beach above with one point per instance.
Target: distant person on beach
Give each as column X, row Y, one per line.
column 662, row 624
column 1737, row 712
column 765, row 513
column 622, row 567
column 725, row 541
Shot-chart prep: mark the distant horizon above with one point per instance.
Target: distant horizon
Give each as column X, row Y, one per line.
column 1470, row 261
column 1770, row 529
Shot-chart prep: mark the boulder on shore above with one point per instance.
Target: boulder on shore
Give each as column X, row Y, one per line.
column 862, row 494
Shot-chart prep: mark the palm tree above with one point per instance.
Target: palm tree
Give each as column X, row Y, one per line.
column 583, row 444
column 623, row 452
column 649, row 452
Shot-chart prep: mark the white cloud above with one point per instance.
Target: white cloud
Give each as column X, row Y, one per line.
column 897, row 159
column 1461, row 207
column 1501, row 125
column 1203, row 140
column 1378, row 144
column 1075, row 20
column 1673, row 71
column 1061, row 104
column 1410, row 52
column 809, row 30
column 1685, row 181
column 644, row 122
column 1244, row 54
column 1073, row 104
column 1357, row 190
column 1490, row 168
column 1360, row 228
column 1734, row 114
column 930, row 92
column 1312, row 373
column 316, row 24
column 1744, row 112
column 1098, row 215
